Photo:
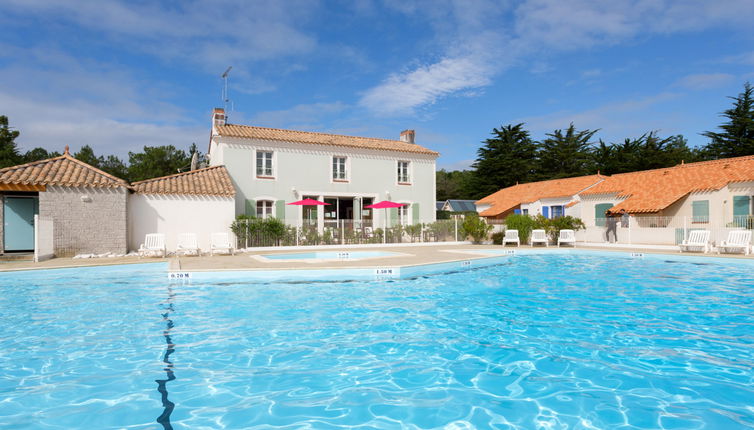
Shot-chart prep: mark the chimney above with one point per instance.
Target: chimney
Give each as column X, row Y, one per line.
column 408, row 136
column 218, row 117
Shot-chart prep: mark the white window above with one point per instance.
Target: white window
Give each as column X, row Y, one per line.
column 264, row 209
column 403, row 172
column 403, row 218
column 339, row 168
column 264, row 164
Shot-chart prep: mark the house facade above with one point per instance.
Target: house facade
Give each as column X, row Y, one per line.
column 719, row 192
column 85, row 207
column 551, row 199
column 272, row 167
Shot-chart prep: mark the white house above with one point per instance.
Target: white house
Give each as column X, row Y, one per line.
column 271, row 167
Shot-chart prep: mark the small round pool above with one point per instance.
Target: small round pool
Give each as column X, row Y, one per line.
column 330, row 255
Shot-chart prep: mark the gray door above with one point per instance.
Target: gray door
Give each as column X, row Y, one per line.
column 18, row 231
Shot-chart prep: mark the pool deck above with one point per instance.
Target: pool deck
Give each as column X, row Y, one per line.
column 409, row 256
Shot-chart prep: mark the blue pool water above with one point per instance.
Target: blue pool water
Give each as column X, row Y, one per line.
column 544, row 341
column 330, row 255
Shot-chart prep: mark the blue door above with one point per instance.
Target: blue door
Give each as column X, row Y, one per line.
column 19, row 223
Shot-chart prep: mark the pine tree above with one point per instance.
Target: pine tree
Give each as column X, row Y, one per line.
column 9, row 155
column 565, row 155
column 507, row 158
column 737, row 136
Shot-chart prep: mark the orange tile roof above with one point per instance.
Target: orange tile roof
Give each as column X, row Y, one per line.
column 210, row 181
column 63, row 171
column 508, row 198
column 276, row 134
column 651, row 191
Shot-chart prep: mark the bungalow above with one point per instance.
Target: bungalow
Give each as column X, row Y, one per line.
column 86, row 207
column 271, row 167
column 554, row 198
column 711, row 192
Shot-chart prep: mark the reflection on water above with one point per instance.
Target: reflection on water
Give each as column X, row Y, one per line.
column 164, row 418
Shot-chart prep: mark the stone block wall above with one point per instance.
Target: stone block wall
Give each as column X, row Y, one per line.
column 86, row 220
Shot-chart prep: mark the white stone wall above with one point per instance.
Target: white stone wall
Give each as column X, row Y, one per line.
column 86, row 220
column 306, row 170
column 176, row 214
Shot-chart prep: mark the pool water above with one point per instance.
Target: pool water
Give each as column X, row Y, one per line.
column 330, row 255
column 545, row 341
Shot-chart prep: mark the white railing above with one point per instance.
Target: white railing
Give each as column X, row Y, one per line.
column 44, row 239
column 653, row 230
column 253, row 233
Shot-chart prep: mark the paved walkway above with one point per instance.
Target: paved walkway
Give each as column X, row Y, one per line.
column 409, row 256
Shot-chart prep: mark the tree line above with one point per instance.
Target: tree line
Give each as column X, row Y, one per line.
column 151, row 162
column 511, row 156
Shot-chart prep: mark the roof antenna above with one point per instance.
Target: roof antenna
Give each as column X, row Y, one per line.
column 226, row 100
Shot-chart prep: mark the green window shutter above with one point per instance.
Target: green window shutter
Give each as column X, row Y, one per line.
column 280, row 209
column 393, row 217
column 415, row 213
column 741, row 205
column 700, row 211
column 251, row 207
column 599, row 213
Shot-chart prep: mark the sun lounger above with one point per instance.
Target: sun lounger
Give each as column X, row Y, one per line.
column 154, row 244
column 220, row 242
column 187, row 244
column 539, row 236
column 566, row 236
column 737, row 241
column 511, row 236
column 698, row 241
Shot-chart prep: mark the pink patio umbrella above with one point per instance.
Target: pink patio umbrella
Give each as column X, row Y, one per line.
column 385, row 204
column 306, row 202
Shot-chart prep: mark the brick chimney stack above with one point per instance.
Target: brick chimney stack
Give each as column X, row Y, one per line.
column 218, row 117
column 408, row 136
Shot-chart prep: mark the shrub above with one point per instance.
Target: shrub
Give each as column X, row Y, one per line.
column 497, row 238
column 523, row 223
column 564, row 223
column 414, row 231
column 252, row 231
column 475, row 227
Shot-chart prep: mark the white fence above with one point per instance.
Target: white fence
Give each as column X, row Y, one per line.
column 44, row 239
column 253, row 233
column 660, row 230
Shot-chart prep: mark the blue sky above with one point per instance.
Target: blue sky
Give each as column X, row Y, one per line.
column 119, row 75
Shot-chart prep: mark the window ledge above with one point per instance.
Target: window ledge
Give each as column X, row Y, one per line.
column 341, row 180
column 404, row 183
column 265, row 177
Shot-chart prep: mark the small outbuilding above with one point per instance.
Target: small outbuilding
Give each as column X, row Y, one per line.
column 81, row 208
column 199, row 201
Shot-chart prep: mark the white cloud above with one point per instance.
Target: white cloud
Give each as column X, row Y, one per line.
column 704, row 81
column 470, row 31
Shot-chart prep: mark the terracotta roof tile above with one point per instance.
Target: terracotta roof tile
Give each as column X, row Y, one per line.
column 251, row 132
column 651, row 191
column 508, row 198
column 210, row 181
column 63, row 171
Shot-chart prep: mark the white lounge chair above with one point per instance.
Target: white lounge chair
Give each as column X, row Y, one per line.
column 737, row 241
column 511, row 236
column 187, row 244
column 539, row 236
column 567, row 236
column 698, row 241
column 154, row 244
column 220, row 242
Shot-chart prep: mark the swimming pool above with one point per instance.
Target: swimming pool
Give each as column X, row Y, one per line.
column 329, row 255
column 548, row 340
